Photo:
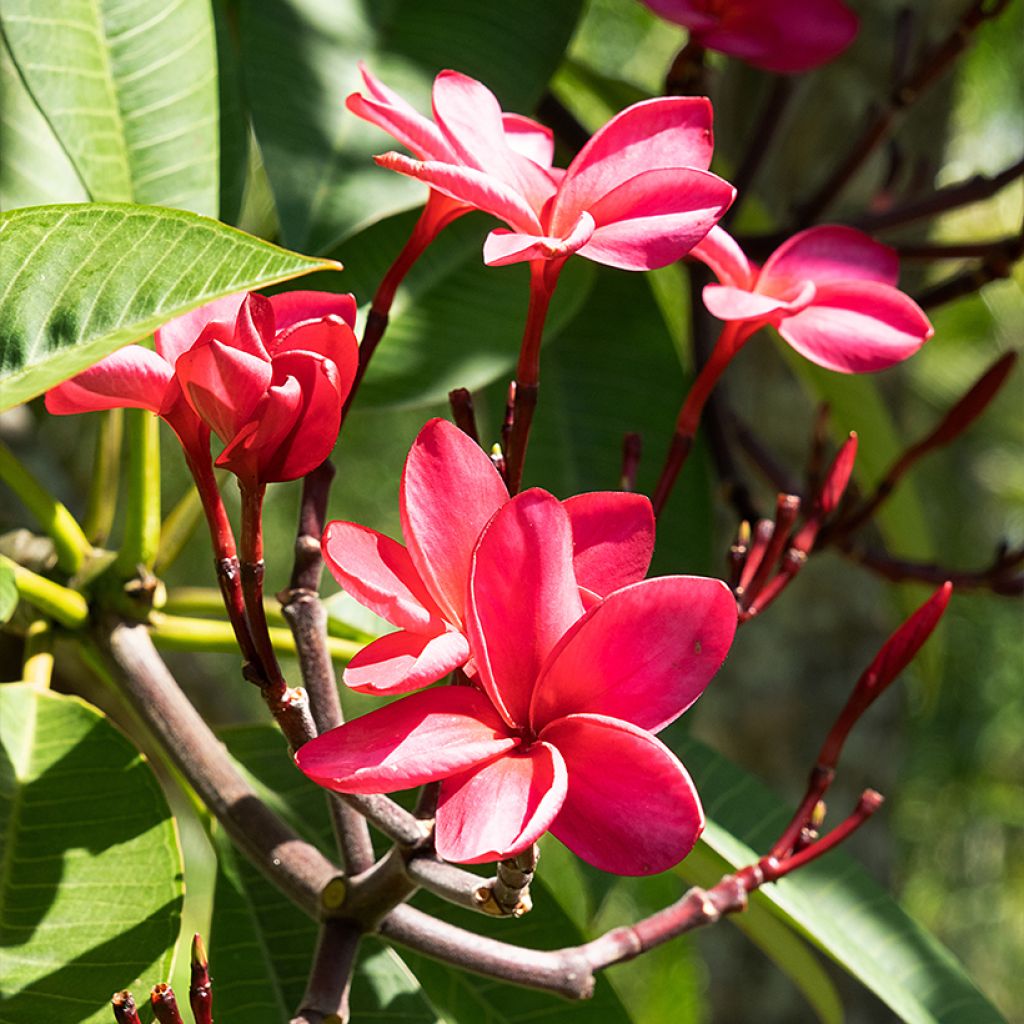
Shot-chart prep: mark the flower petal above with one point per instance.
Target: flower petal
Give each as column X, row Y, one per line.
column 387, row 110
column 722, row 253
column 522, row 597
column 858, row 327
column 468, row 114
column 180, row 334
column 728, row 303
column 530, row 139
column 612, row 538
column 669, row 132
column 296, row 307
column 378, row 572
column 446, row 470
column 829, row 254
column 501, row 808
column 130, row 378
column 655, row 218
column 331, row 338
column 506, row 247
column 631, row 808
column 256, row 450
column 421, row 738
column 643, row 655
column 475, row 188
column 403, row 661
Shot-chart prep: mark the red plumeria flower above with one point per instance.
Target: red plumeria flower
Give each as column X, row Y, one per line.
column 421, row 588
column 637, row 196
column 559, row 734
column 265, row 365
column 830, row 292
column 787, row 36
column 273, row 390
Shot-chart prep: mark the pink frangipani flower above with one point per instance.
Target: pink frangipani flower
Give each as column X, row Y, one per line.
column 830, row 292
column 449, row 492
column 249, row 368
column 637, row 196
column 786, row 36
column 559, row 734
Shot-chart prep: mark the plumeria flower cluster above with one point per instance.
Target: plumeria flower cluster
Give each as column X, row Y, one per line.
column 572, row 661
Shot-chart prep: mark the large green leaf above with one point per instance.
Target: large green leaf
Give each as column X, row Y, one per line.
column 90, row 870
column 261, row 945
column 130, row 91
column 34, row 168
column 300, row 57
column 835, row 903
column 80, row 281
column 455, row 322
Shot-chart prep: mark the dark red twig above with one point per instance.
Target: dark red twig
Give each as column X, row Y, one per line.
column 463, row 413
column 125, row 1010
column 165, row 1005
column 632, row 450
column 200, row 992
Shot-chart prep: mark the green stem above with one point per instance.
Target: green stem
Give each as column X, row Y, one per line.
column 106, row 474
column 57, row 522
column 37, row 660
column 66, row 606
column 177, row 530
column 142, row 520
column 183, row 633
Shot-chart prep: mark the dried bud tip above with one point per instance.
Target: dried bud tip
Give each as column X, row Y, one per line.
column 125, row 1011
column 199, row 957
column 165, row 1005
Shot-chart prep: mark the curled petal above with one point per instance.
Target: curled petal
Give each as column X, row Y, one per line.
column 378, row 572
column 446, row 470
column 858, row 327
column 259, row 446
column 505, row 247
column 296, row 307
column 331, row 338
column 475, row 188
column 470, row 117
column 656, row 134
column 719, row 251
column 421, row 738
column 402, row 662
column 655, row 218
column 522, row 597
column 387, row 110
column 180, row 334
column 829, row 254
column 501, row 808
column 254, row 326
column 612, row 538
column 729, row 303
column 643, row 655
column 631, row 808
column 131, row 378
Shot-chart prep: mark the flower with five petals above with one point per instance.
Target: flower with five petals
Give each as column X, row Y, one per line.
column 557, row 732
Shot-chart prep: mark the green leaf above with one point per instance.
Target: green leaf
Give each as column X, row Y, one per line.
column 8, row 594
column 261, row 945
column 300, row 58
column 90, row 869
column 80, row 281
column 34, row 169
column 130, row 91
column 455, row 322
column 835, row 903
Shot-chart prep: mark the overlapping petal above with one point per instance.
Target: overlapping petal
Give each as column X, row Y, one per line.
column 729, row 303
column 296, row 307
column 829, row 254
column 501, row 808
column 402, row 662
column 612, row 538
column 630, row 806
column 523, row 596
column 180, row 334
column 446, row 470
column 643, row 655
column 131, row 378
column 421, row 738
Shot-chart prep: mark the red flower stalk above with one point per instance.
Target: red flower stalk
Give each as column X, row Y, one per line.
column 450, row 490
column 557, row 732
column 786, row 36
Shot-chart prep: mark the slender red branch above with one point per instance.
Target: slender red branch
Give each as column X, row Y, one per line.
column 463, row 413
column 632, row 451
column 200, row 992
column 165, row 1005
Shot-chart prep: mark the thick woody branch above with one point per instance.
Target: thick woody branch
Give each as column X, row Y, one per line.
column 325, row 1000
column 296, row 867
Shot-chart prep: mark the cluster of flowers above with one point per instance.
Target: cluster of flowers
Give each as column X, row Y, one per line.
column 569, row 659
column 571, row 662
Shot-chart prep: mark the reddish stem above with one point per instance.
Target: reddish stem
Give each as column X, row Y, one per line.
column 543, row 279
column 730, row 341
column 200, row 993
